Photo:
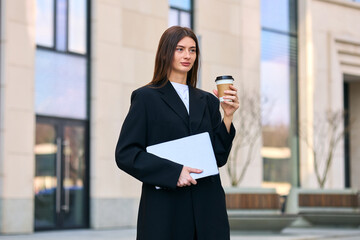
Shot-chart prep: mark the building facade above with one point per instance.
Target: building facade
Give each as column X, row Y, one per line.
column 68, row 68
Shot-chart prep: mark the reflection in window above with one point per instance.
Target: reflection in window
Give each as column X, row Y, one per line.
column 61, row 25
column 45, row 23
column 45, row 182
column 180, row 13
column 70, row 16
column 77, row 26
column 60, row 85
column 181, row 4
column 279, row 15
column 278, row 72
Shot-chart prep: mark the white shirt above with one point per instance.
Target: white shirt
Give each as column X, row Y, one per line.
column 183, row 92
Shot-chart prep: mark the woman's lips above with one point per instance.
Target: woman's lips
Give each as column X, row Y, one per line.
column 186, row 64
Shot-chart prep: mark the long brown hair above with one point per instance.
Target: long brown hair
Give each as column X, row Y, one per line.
column 165, row 54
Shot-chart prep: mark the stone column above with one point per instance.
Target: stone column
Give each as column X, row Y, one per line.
column 17, row 122
column 230, row 34
column 125, row 35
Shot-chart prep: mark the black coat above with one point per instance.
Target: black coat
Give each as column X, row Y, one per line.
column 157, row 115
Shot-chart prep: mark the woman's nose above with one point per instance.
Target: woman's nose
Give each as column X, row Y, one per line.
column 187, row 54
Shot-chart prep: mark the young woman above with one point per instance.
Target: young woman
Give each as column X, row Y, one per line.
column 168, row 108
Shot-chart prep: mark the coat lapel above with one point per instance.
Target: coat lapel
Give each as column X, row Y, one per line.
column 171, row 98
column 197, row 108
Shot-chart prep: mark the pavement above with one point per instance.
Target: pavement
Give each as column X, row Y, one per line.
column 129, row 234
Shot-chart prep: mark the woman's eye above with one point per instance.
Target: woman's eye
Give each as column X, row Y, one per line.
column 192, row 50
column 179, row 49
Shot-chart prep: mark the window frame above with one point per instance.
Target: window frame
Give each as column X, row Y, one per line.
column 180, row 10
column 67, row 51
column 293, row 97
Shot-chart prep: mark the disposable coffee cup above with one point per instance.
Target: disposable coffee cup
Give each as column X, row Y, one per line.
column 223, row 83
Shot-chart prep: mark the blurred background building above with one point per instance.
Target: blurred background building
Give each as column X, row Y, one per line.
column 68, row 67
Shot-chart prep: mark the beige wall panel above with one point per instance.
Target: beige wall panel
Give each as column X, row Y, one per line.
column 128, row 59
column 249, row 80
column 20, row 42
column 18, row 177
column 144, row 66
column 250, row 3
column 110, row 2
column 21, row 11
column 130, row 186
column 220, row 48
column 106, row 181
column 17, row 116
column 141, row 31
column 250, row 18
column 126, row 91
column 321, row 94
column 19, row 84
column 107, row 62
column 351, row 70
column 19, row 133
column 109, row 101
column 321, row 52
column 251, row 55
column 350, row 59
column 110, row 33
column 139, row 66
column 154, row 8
column 222, row 16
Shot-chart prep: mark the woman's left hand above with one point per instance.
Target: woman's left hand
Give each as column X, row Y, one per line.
column 229, row 107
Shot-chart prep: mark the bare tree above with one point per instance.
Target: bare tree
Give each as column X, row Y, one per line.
column 328, row 130
column 248, row 124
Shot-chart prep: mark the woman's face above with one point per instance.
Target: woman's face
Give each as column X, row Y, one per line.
column 184, row 56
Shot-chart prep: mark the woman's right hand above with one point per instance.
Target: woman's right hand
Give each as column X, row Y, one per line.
column 185, row 179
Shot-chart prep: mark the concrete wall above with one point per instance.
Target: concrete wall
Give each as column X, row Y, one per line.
column 230, row 44
column 124, row 37
column 17, row 115
column 327, row 42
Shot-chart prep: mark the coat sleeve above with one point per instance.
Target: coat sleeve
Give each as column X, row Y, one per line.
column 131, row 155
column 222, row 139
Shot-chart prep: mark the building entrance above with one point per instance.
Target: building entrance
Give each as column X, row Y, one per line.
column 60, row 183
column 352, row 151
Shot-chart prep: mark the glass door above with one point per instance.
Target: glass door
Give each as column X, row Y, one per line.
column 61, row 195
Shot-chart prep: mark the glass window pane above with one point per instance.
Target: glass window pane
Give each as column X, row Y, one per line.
column 74, row 174
column 45, row 183
column 279, row 15
column 77, row 26
column 61, row 25
column 276, row 59
column 45, row 23
column 173, row 17
column 185, row 19
column 182, row 4
column 60, row 88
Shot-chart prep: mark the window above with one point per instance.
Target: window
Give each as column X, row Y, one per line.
column 279, row 87
column 61, row 59
column 180, row 13
column 61, row 25
column 61, row 105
